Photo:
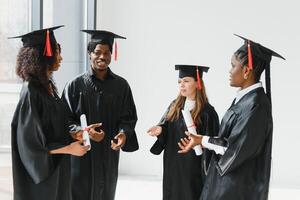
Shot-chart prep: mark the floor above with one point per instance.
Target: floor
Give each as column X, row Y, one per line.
column 134, row 188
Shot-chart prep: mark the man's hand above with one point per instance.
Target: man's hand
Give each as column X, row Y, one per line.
column 186, row 144
column 95, row 135
column 121, row 139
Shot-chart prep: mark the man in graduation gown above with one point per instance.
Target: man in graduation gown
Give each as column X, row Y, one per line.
column 240, row 168
column 103, row 97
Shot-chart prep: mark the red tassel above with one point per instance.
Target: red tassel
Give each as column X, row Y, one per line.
column 116, row 51
column 198, row 79
column 250, row 63
column 48, row 49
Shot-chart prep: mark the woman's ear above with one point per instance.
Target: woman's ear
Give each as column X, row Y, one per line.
column 246, row 71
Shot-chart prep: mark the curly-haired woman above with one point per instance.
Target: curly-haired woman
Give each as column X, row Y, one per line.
column 40, row 140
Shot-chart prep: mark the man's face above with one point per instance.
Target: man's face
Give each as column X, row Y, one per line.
column 100, row 57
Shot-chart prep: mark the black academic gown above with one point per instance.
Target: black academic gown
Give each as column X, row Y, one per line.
column 38, row 126
column 109, row 101
column 243, row 172
column 184, row 174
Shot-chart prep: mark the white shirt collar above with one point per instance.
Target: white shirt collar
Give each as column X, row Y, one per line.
column 189, row 104
column 243, row 92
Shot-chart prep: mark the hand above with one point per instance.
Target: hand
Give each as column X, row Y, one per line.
column 155, row 131
column 77, row 149
column 95, row 135
column 186, row 144
column 121, row 138
column 77, row 135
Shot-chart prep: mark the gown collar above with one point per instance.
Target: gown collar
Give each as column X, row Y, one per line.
column 189, row 104
column 110, row 74
column 243, row 92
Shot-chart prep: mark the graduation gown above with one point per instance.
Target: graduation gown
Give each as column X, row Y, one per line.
column 109, row 101
column 243, row 172
column 38, row 126
column 184, row 174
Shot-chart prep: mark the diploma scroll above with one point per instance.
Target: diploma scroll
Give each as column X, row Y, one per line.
column 85, row 135
column 191, row 128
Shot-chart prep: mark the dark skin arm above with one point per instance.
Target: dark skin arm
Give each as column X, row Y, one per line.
column 186, row 144
column 97, row 136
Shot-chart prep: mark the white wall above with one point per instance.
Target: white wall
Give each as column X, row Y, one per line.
column 163, row 33
column 71, row 14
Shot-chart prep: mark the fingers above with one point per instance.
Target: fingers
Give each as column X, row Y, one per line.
column 115, row 146
column 188, row 133
column 79, row 142
column 121, row 138
column 86, row 148
column 180, row 146
column 154, row 131
column 151, row 132
column 182, row 151
column 94, row 126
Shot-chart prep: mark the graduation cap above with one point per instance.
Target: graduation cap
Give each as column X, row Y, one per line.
column 194, row 71
column 104, row 37
column 258, row 53
column 43, row 37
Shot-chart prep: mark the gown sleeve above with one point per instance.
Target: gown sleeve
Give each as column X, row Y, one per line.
column 127, row 121
column 247, row 138
column 210, row 120
column 160, row 143
column 69, row 97
column 31, row 140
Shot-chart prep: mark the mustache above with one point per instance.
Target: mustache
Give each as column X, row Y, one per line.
column 103, row 60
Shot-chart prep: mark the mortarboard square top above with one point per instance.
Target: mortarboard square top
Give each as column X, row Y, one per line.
column 190, row 70
column 258, row 51
column 38, row 37
column 102, row 36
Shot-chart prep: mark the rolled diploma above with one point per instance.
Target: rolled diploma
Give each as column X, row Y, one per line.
column 191, row 128
column 85, row 135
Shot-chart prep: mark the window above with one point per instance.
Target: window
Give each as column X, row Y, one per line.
column 14, row 21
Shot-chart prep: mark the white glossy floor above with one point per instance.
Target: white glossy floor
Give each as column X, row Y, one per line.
column 129, row 187
column 135, row 188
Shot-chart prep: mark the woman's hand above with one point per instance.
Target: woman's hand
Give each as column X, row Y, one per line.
column 77, row 135
column 186, row 144
column 77, row 149
column 155, row 131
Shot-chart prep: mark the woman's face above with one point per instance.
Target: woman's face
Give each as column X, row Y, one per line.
column 58, row 58
column 100, row 57
column 187, row 87
column 237, row 73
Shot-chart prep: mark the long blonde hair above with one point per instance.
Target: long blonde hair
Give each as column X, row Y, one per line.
column 175, row 109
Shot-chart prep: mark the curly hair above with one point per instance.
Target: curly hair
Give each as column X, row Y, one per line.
column 32, row 65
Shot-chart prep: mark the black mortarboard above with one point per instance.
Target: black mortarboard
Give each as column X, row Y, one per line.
column 43, row 37
column 192, row 71
column 104, row 37
column 259, row 58
column 257, row 51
